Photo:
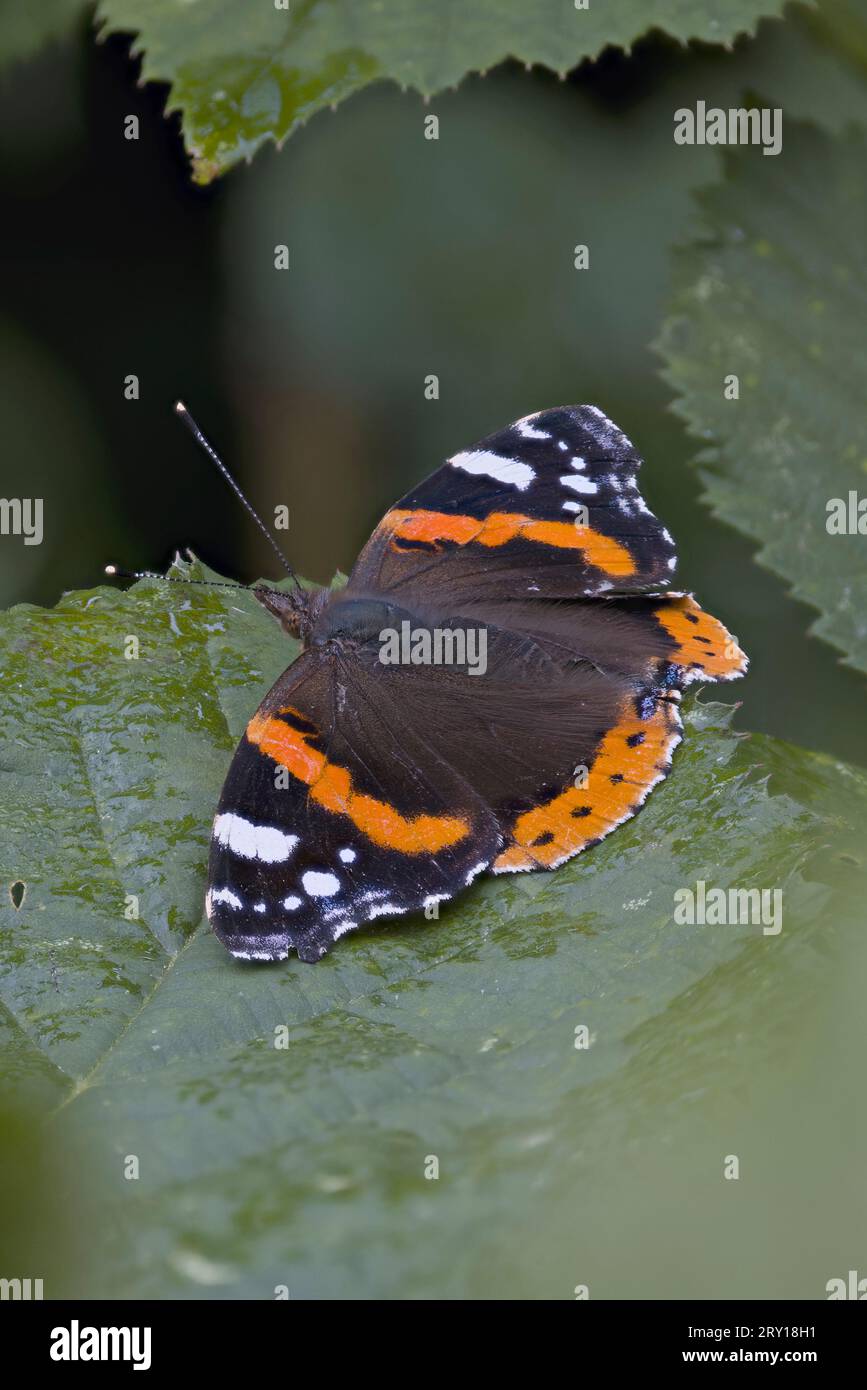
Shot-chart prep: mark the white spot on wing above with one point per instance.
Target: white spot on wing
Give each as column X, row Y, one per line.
column 263, row 842
column 511, row 471
column 278, row 953
column 527, row 432
column 579, row 484
column 222, row 895
column 612, row 437
column 320, row 885
column 262, row 946
column 347, row 855
column 291, row 902
column 436, row 898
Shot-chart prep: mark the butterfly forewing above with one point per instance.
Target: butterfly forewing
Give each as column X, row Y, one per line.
column 549, row 506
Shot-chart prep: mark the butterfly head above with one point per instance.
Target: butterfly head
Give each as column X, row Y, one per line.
column 296, row 610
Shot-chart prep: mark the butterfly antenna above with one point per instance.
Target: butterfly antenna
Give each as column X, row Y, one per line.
column 181, row 410
column 116, row 573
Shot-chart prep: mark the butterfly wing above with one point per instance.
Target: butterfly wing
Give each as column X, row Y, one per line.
column 648, row 649
column 548, row 507
column 334, row 812
column 576, row 717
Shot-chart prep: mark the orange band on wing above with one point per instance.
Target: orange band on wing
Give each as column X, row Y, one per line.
column 701, row 640
column 331, row 786
column 603, row 552
column 621, row 776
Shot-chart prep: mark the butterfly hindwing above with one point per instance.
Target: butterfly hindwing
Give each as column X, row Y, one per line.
column 576, row 718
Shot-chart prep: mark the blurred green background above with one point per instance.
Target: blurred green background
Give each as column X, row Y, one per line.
column 407, row 257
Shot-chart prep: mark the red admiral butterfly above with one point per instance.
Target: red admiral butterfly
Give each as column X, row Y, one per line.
column 368, row 787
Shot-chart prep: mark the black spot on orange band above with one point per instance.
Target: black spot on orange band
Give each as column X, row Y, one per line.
column 632, row 757
column 701, row 641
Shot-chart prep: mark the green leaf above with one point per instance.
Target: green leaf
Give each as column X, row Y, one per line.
column 242, row 75
column 304, row 1167
column 774, row 293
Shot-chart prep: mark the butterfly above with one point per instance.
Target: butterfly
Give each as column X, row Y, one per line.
column 495, row 689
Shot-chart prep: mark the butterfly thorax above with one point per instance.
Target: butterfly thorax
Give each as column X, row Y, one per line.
column 348, row 620
column 323, row 617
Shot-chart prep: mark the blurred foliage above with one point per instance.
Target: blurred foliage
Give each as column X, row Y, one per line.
column 242, row 76
column 305, row 1165
column 25, row 29
column 39, row 445
column 44, row 1201
column 783, row 246
column 814, row 66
